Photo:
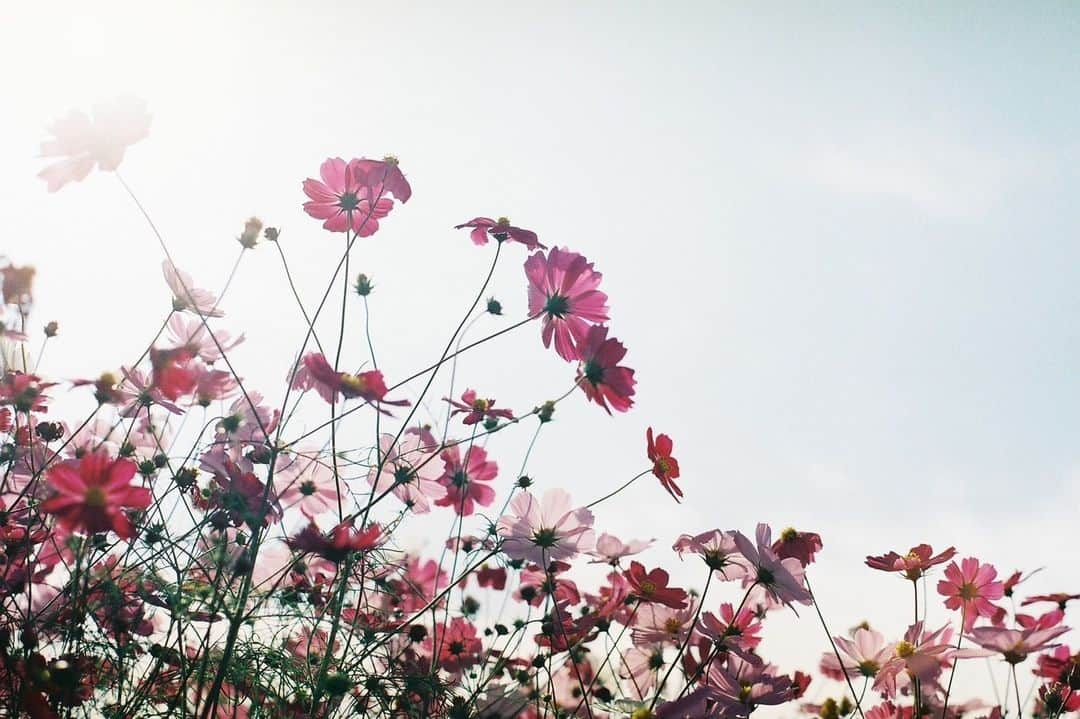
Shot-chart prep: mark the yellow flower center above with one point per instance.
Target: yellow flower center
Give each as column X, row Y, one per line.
column 353, row 383
column 647, row 587
column 480, row 405
column 789, row 535
column 672, row 626
column 904, row 649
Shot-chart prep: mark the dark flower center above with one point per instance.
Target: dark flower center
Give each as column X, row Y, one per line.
column 348, row 201
column 402, row 474
column 307, row 488
column 459, row 478
column 557, row 306
column 544, row 538
column 594, row 372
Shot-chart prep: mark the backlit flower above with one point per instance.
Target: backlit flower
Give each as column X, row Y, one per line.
column 92, row 493
column 563, row 289
column 600, row 376
column 546, row 529
column 466, row 479
column 971, row 588
column 83, row 142
column 501, row 230
column 665, row 467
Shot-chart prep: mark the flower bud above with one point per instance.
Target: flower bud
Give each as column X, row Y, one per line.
column 363, row 285
column 250, row 236
column 52, row 329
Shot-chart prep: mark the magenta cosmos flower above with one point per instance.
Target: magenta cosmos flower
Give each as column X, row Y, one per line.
column 92, row 493
column 351, row 195
column 407, row 469
column 601, row 377
column 971, row 587
column 466, row 480
column 501, row 230
column 913, row 564
column 563, row 289
column 546, row 529
column 83, row 142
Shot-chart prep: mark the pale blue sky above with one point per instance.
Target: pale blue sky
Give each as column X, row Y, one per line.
column 840, row 242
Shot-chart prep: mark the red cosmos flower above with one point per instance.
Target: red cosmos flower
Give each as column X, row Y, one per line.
column 914, row 564
column 317, row 373
column 495, row 578
column 476, row 408
column 25, row 392
column 653, row 586
column 970, row 587
column 174, row 374
column 339, row 543
column 455, row 647
column 601, row 377
column 92, row 492
column 466, row 479
column 563, row 288
column 801, row 545
column 501, row 230
column 665, row 467
column 1058, row 598
column 350, row 196
column 242, row 496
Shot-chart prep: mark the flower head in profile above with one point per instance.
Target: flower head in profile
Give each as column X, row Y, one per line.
column 501, row 230
column 83, row 142
column 913, row 564
column 864, row 654
column 467, row 479
column 186, row 296
column 542, row 530
column 92, row 493
column 343, row 198
column 476, row 409
column 919, row 655
column 800, row 545
column 337, row 544
column 1014, row 644
column 665, row 467
column 564, row 291
column 971, row 587
column 601, row 377
column 316, row 373
column 610, row 549
column 718, row 550
column 191, row 333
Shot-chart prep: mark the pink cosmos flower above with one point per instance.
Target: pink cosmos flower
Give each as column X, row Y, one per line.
column 476, row 409
column 408, row 471
column 174, row 373
column 920, row 655
column 610, row 549
column 600, row 376
column 419, row 584
column 93, row 492
column 466, row 479
column 971, row 588
column 781, row 578
column 864, row 655
column 913, row 564
column 563, row 288
column 186, row 296
column 24, row 392
column 212, row 384
column 344, row 200
column 662, row 624
column 84, row 143
column 315, row 372
column 1013, row 644
column 246, row 425
column 141, row 392
column 191, row 334
column 306, row 483
column 501, row 230
column 729, row 632
column 546, row 529
column 719, row 551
